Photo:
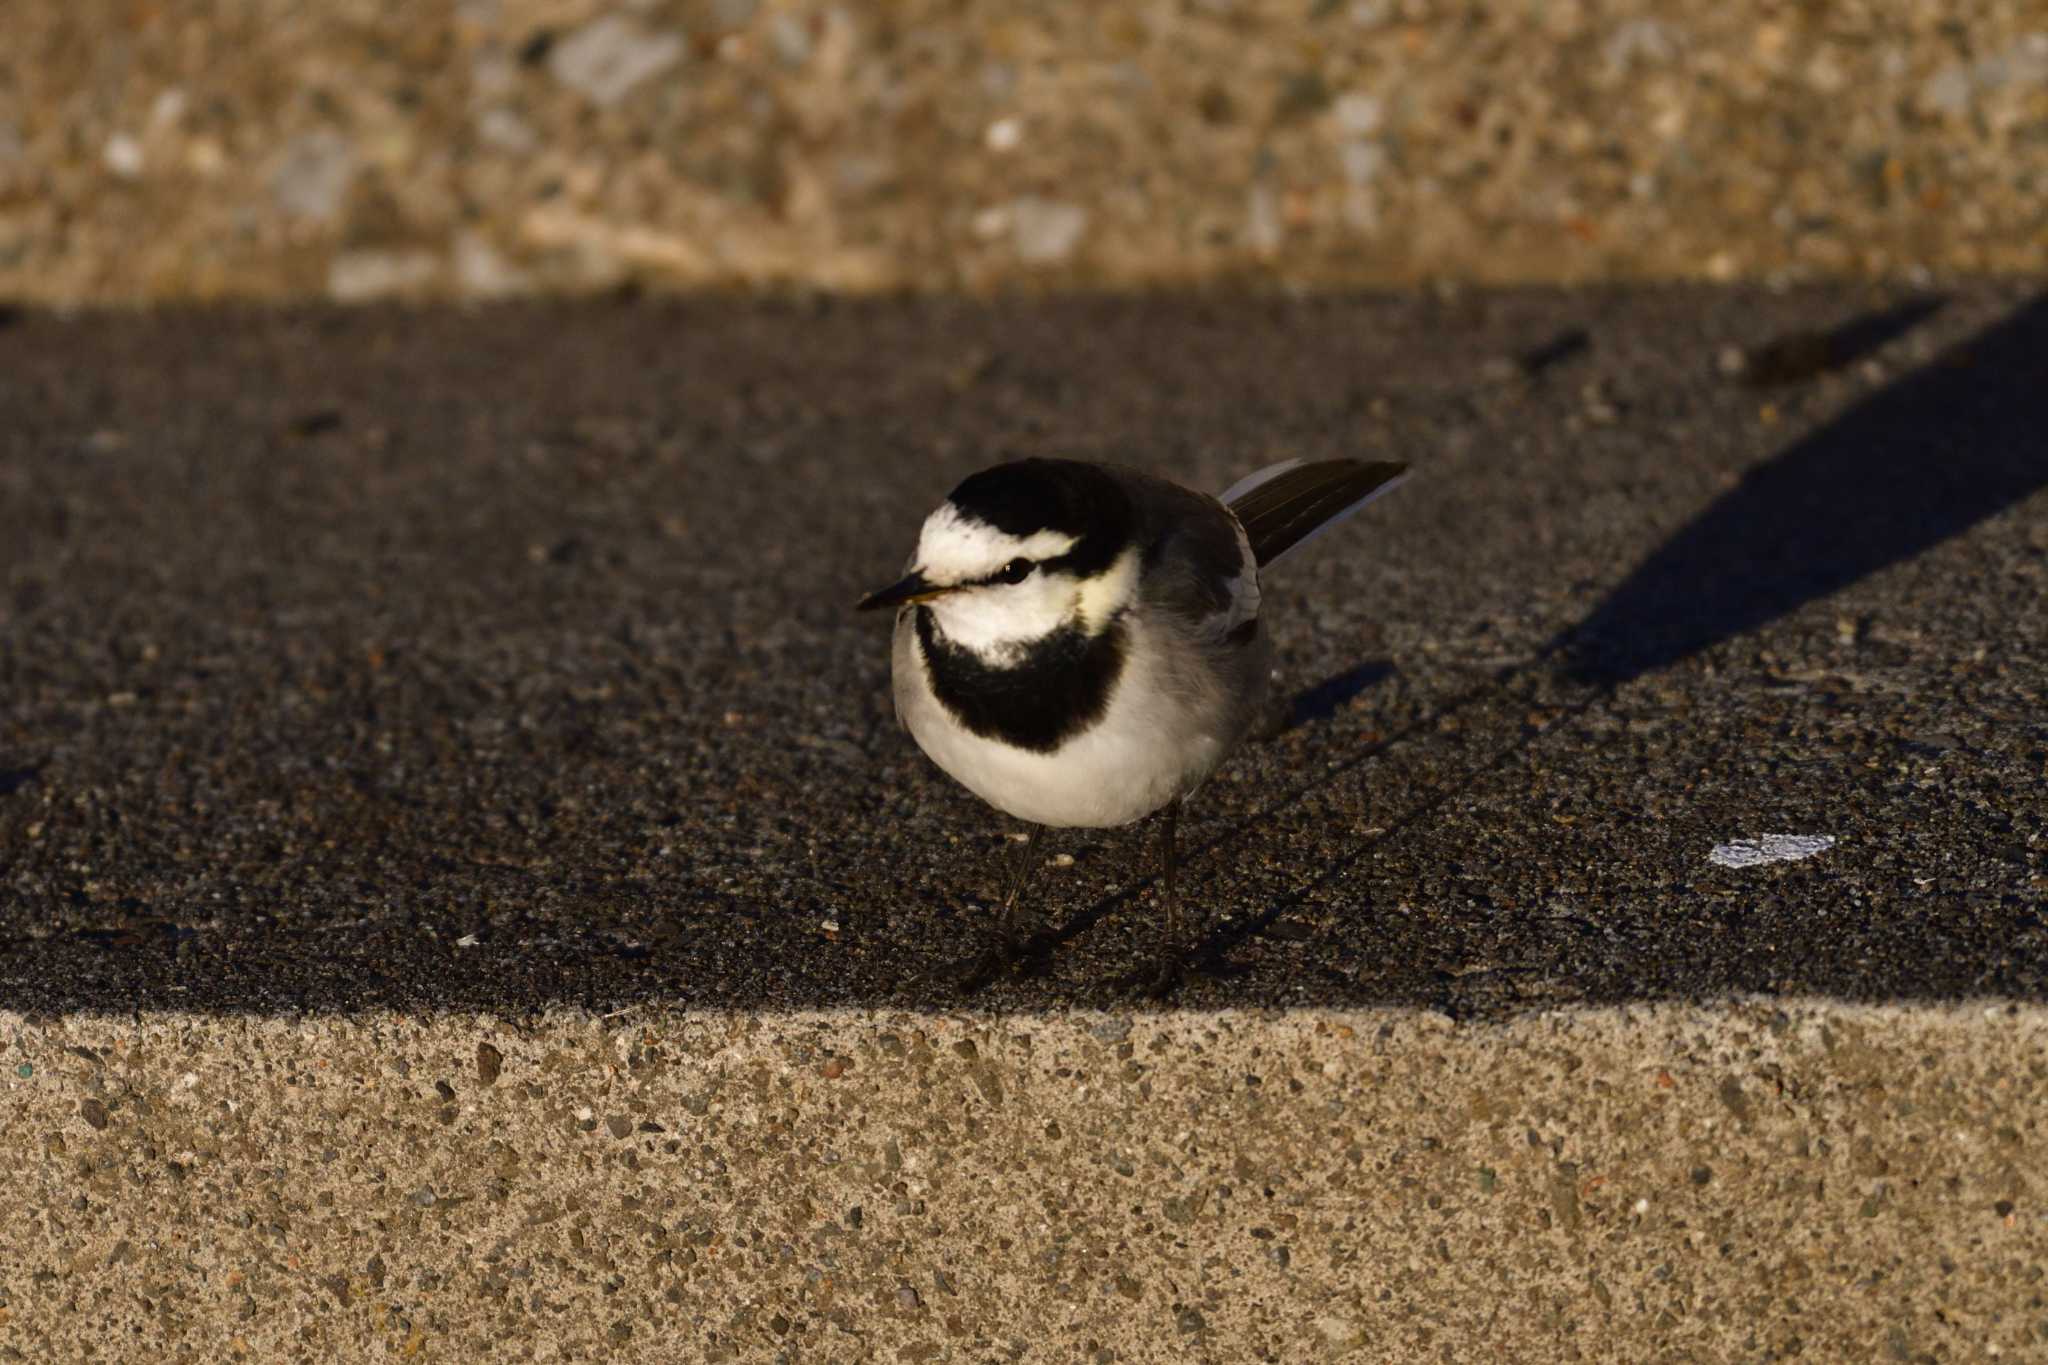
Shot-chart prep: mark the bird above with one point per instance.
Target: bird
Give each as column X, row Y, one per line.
column 1081, row 644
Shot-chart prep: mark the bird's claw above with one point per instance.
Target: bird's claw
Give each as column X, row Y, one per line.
column 1174, row 968
column 1156, row 980
column 1026, row 955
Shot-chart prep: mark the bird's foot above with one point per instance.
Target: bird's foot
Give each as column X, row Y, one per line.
column 1026, row 955
column 1171, row 970
column 1158, row 979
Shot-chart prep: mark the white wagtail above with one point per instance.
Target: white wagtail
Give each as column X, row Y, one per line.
column 1080, row 645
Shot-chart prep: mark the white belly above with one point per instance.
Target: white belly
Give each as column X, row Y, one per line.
column 1157, row 739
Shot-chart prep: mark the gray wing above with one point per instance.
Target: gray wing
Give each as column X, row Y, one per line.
column 1200, row 583
column 1198, row 567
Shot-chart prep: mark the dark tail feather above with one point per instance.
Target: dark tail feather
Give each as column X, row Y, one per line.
column 1284, row 511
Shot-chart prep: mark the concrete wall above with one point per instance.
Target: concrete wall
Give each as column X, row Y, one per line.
column 275, row 149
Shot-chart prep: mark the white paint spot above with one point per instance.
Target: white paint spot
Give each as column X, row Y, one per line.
column 1770, row 848
column 466, row 941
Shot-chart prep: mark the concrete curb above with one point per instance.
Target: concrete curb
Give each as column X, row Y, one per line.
column 1752, row 1180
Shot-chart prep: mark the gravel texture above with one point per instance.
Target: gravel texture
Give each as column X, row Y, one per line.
column 505, row 660
column 279, row 150
column 1776, row 1180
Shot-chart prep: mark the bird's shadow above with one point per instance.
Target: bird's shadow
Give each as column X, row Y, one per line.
column 1326, row 698
column 1317, row 703
column 1917, row 463
column 1921, row 461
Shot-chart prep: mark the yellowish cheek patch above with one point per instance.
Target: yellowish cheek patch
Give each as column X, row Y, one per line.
column 1103, row 596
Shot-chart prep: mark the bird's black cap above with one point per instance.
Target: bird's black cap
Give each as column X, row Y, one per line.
column 1076, row 499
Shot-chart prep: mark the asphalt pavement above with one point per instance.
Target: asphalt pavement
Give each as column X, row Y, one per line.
column 503, row 659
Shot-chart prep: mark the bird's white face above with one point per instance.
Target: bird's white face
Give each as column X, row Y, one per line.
column 1005, row 596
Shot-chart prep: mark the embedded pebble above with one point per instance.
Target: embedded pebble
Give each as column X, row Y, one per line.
column 1046, row 231
column 606, row 59
column 123, row 155
column 314, row 175
column 360, row 276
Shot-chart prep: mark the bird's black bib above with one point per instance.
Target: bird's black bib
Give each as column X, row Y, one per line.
column 1058, row 689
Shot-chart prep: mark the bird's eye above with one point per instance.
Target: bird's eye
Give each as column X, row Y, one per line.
column 1016, row 571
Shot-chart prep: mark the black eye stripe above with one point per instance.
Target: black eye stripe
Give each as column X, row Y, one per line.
column 1016, row 571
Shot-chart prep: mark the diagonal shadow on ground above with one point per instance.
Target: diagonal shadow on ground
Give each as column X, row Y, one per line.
column 1922, row 461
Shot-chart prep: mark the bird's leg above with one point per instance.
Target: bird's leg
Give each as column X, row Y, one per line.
column 1008, row 946
column 1169, row 862
column 1023, row 859
column 1167, row 972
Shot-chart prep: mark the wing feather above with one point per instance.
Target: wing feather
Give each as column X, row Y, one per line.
column 1285, row 506
column 1252, row 480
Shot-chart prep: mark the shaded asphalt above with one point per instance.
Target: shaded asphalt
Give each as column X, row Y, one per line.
column 501, row 659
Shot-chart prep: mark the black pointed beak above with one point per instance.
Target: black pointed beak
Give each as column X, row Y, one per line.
column 912, row 587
